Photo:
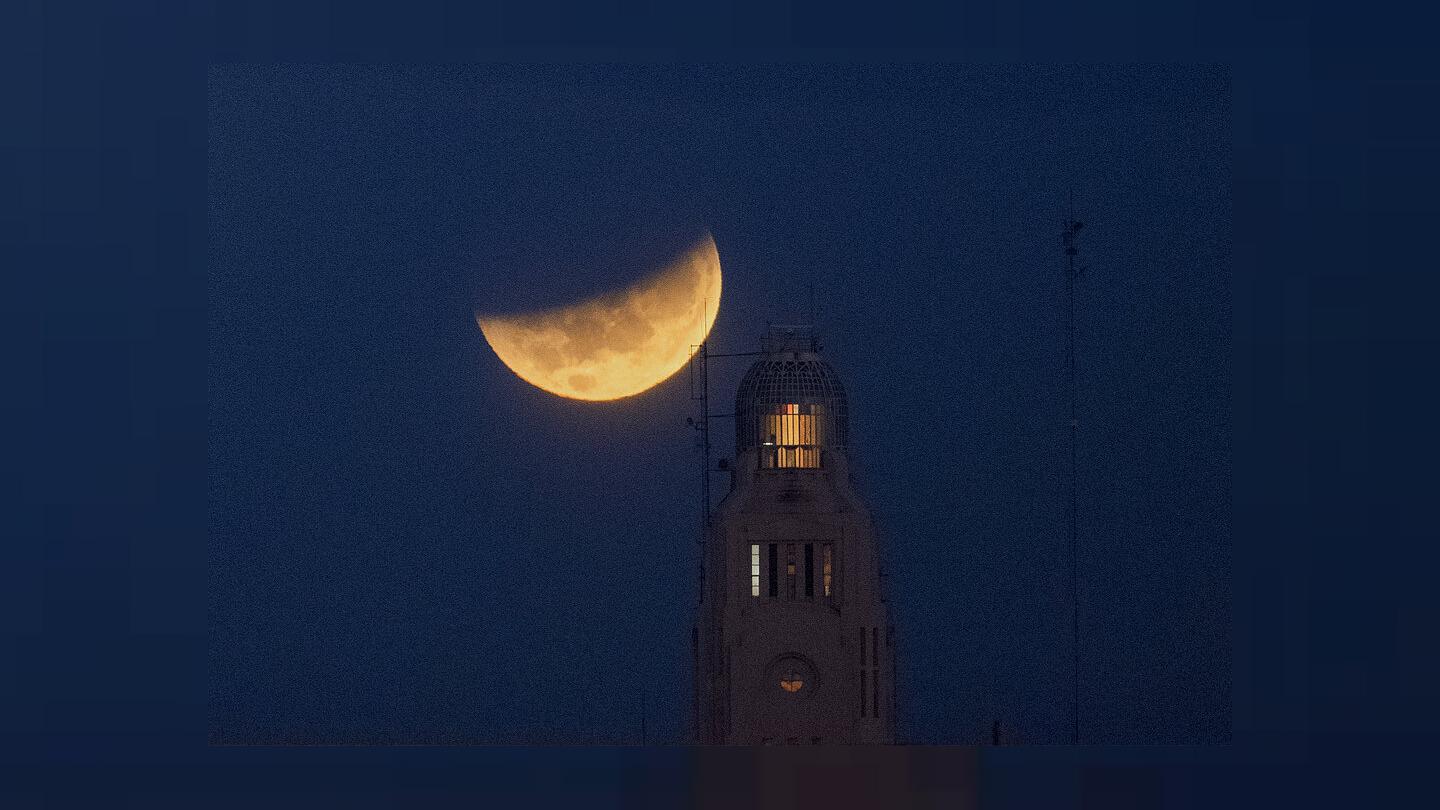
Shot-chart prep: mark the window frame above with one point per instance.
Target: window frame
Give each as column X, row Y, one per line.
column 755, row 570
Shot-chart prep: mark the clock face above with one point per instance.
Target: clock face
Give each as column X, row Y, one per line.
column 791, row 676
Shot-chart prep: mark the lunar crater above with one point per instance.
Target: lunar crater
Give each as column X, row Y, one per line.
column 617, row 344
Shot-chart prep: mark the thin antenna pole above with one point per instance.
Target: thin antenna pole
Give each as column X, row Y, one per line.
column 1067, row 239
column 705, row 431
column 705, row 422
column 702, row 353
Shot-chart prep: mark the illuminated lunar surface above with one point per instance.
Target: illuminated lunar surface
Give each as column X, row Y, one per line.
column 618, row 344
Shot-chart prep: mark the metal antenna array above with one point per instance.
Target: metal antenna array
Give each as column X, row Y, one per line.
column 1067, row 240
column 700, row 356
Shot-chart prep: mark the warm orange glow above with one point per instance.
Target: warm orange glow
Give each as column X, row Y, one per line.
column 620, row 344
column 794, row 432
column 791, row 428
column 792, row 686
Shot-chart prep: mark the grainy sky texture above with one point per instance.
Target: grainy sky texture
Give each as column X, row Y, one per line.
column 410, row 544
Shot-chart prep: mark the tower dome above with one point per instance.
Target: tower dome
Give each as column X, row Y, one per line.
column 790, row 404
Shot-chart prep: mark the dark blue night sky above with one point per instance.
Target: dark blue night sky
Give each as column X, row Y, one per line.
column 410, row 544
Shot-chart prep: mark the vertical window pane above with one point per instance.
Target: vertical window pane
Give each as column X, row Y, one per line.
column 862, row 646
column 754, row 569
column 774, row 572
column 792, row 437
column 829, row 567
column 809, row 570
column 789, row 570
column 862, row 693
column 875, row 675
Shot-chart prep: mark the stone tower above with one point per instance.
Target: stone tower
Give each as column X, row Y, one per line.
column 792, row 644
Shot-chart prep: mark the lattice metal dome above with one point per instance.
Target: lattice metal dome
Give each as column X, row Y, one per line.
column 790, row 377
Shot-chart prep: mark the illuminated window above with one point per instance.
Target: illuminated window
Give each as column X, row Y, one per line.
column 792, row 436
column 754, row 569
column 809, row 570
column 829, row 567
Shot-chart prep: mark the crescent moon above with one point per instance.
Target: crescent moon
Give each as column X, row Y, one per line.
column 619, row 344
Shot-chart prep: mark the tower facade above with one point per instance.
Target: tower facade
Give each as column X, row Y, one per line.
column 792, row 642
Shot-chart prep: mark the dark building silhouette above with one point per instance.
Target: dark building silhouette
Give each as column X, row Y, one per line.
column 793, row 642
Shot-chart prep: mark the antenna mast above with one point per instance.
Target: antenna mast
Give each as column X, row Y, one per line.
column 1067, row 240
column 700, row 392
column 705, row 433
